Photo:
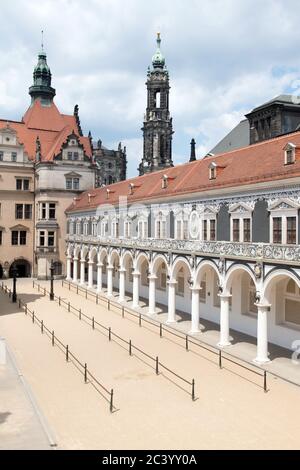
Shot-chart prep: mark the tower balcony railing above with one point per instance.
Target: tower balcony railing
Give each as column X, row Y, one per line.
column 252, row 251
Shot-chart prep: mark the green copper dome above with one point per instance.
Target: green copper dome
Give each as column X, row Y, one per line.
column 158, row 60
column 42, row 65
column 41, row 88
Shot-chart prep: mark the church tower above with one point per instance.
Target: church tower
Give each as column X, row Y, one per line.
column 157, row 129
column 41, row 88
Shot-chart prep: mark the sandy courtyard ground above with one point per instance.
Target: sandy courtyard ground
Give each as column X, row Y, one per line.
column 153, row 412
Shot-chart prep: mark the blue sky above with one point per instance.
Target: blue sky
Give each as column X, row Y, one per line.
column 224, row 58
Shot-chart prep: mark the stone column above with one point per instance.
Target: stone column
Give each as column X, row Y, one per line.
column 224, row 321
column 90, row 275
column 171, row 301
column 110, row 281
column 195, row 310
column 82, row 268
column 99, row 277
column 75, row 269
column 135, row 289
column 262, row 334
column 152, row 278
column 69, row 259
column 122, row 274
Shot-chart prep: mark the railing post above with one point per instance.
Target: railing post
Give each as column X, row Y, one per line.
column 111, row 405
column 62, row 283
column 186, row 342
column 59, row 300
column 76, row 289
column 80, row 314
column 53, row 337
column 122, row 311
column 42, row 326
column 32, row 316
column 19, row 303
column 68, row 306
column 140, row 320
column 85, row 372
column 265, row 381
column 130, row 351
column 32, row 283
column 108, row 304
column 69, row 286
column 86, row 293
column 156, row 365
column 97, row 299
column 193, row 389
column 160, row 330
column 109, row 333
column 25, row 309
column 220, row 358
column 44, row 291
column 67, row 353
column 93, row 323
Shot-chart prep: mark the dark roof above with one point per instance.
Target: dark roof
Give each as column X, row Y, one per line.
column 292, row 100
column 238, row 137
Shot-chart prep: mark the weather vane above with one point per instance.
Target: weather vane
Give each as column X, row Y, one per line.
column 42, row 40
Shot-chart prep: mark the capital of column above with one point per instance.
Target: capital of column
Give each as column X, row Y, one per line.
column 75, row 258
column 195, row 289
column 152, row 277
column 225, row 296
column 82, row 261
column 136, row 273
column 110, row 268
column 99, row 265
column 263, row 307
column 91, row 263
column 172, row 283
column 69, row 257
column 122, row 270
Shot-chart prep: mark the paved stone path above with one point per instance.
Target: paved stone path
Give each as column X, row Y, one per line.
column 231, row 411
column 20, row 428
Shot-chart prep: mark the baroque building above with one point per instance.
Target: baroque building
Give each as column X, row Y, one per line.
column 157, row 129
column 45, row 162
column 215, row 239
column 111, row 165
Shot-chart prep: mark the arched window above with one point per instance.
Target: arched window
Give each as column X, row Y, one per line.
column 162, row 277
column 180, row 282
column 203, row 289
column 57, row 268
column 252, row 297
column 292, row 303
column 144, row 274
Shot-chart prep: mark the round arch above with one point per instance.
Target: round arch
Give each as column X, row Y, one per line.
column 124, row 258
column 201, row 269
column 70, row 250
column 177, row 265
column 102, row 255
column 157, row 262
column 233, row 271
column 273, row 278
column 77, row 251
column 23, row 267
column 84, row 252
column 92, row 254
column 139, row 261
column 114, row 255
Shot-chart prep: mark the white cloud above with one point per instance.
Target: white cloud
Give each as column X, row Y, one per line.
column 224, row 58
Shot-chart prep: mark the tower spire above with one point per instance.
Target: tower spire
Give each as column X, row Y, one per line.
column 193, row 150
column 157, row 129
column 42, row 44
column 41, row 88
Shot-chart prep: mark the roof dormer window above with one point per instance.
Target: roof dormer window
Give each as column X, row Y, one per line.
column 289, row 154
column 212, row 171
column 164, row 181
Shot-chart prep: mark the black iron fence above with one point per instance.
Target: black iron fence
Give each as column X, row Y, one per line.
column 82, row 367
column 188, row 340
column 108, row 330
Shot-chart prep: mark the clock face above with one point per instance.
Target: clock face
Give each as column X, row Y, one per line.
column 194, row 224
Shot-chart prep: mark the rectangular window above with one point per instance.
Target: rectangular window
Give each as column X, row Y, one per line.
column 28, row 211
column 42, row 238
column 69, row 155
column 18, row 184
column 1, row 156
column 289, row 156
column 50, row 238
column 19, row 211
column 43, row 211
column 14, row 237
column 75, row 156
column 247, row 230
column 204, row 229
column 68, row 183
column 212, row 230
column 185, row 230
column 23, row 237
column 236, row 230
column 25, row 185
column 51, row 211
column 277, row 230
column 291, row 230
column 75, row 183
column 13, row 156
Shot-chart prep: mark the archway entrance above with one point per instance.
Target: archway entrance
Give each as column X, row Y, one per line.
column 23, row 268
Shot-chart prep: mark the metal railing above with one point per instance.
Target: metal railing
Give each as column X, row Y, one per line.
column 188, row 339
column 111, row 334
column 88, row 376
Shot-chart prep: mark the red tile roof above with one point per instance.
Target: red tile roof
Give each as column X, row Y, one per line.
column 52, row 128
column 257, row 163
